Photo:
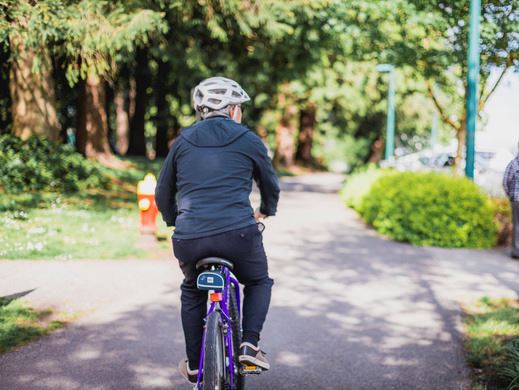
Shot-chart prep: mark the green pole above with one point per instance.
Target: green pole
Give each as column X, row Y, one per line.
column 390, row 126
column 390, row 142
column 472, row 81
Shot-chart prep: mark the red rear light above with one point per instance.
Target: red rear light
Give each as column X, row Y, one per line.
column 215, row 297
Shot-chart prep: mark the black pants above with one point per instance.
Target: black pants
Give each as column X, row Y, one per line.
column 244, row 247
column 515, row 231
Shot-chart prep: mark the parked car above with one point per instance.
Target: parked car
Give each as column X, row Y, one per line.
column 489, row 165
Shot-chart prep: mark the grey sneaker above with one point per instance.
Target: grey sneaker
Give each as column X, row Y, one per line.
column 251, row 355
column 190, row 375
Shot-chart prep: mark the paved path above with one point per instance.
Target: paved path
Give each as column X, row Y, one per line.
column 350, row 310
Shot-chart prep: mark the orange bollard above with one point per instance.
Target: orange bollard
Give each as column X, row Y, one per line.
column 147, row 206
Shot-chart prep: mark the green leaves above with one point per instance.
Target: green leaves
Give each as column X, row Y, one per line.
column 92, row 35
column 101, row 33
column 41, row 165
column 430, row 209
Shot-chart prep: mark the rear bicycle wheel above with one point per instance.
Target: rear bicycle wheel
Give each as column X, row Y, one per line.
column 234, row 312
column 214, row 355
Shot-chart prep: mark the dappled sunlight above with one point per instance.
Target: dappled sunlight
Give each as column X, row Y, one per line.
column 291, row 359
column 391, row 361
column 87, row 353
column 154, row 376
column 142, row 345
column 361, row 296
column 346, row 303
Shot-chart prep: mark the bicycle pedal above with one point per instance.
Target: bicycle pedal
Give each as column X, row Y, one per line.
column 250, row 370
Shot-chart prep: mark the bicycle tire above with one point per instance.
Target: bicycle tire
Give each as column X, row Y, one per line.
column 214, row 355
column 239, row 380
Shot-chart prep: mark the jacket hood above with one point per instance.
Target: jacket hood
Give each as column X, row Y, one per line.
column 213, row 132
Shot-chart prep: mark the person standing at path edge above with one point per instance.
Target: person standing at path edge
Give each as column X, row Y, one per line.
column 203, row 190
column 511, row 186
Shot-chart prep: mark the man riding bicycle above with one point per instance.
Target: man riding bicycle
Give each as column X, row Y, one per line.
column 203, row 190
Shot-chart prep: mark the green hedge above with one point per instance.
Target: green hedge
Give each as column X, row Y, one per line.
column 40, row 165
column 430, row 209
column 358, row 185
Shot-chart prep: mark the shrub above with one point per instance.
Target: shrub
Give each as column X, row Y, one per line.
column 430, row 209
column 492, row 342
column 41, row 165
column 510, row 370
column 358, row 185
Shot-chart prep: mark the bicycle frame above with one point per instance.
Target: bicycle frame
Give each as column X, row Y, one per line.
column 223, row 307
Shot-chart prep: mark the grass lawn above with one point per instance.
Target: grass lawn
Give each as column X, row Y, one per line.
column 20, row 324
column 492, row 342
column 101, row 224
column 97, row 224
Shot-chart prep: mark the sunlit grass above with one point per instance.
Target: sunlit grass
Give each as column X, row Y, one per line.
column 20, row 324
column 64, row 232
column 492, row 342
column 98, row 224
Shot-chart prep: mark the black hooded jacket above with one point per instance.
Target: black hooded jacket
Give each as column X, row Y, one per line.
column 206, row 180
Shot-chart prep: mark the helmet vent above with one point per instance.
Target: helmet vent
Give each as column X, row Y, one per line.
column 218, row 91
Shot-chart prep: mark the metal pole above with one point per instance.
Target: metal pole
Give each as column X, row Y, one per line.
column 390, row 136
column 472, row 82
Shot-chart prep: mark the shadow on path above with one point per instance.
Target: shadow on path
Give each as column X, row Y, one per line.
column 6, row 299
column 137, row 349
column 350, row 310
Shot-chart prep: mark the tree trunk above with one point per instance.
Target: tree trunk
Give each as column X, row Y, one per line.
column 112, row 126
column 377, row 151
column 161, row 139
column 6, row 119
column 461, row 136
column 306, row 134
column 92, row 132
column 285, row 150
column 121, row 119
column 137, row 142
column 32, row 94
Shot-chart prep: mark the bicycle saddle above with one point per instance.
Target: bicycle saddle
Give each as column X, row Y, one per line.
column 214, row 261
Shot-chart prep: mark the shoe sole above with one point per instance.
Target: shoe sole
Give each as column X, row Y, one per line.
column 252, row 361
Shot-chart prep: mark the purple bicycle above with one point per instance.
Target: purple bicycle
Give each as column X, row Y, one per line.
column 219, row 368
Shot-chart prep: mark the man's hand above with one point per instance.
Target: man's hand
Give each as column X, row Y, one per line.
column 258, row 215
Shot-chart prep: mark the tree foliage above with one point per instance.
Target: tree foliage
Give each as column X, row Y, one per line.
column 309, row 65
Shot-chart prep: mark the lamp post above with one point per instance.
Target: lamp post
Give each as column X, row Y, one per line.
column 390, row 126
column 472, row 81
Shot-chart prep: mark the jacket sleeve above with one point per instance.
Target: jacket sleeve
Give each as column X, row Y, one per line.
column 166, row 190
column 265, row 177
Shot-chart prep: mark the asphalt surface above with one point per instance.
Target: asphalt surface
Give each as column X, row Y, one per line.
column 350, row 309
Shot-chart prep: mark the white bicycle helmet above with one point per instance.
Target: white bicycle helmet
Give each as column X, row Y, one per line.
column 216, row 93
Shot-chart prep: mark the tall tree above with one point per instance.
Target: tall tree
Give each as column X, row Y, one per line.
column 122, row 118
column 162, row 117
column 28, row 27
column 307, row 124
column 99, row 35
column 92, row 135
column 5, row 98
column 137, row 139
